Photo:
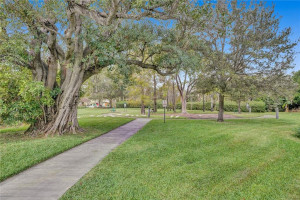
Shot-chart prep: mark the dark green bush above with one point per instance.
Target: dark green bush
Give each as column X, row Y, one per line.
column 197, row 105
column 230, row 106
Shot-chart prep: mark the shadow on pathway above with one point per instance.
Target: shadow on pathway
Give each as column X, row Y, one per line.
column 52, row 178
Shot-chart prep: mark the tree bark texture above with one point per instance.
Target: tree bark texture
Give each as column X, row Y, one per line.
column 239, row 106
column 211, row 102
column 142, row 108
column 183, row 104
column 61, row 117
column 221, row 108
column 184, row 87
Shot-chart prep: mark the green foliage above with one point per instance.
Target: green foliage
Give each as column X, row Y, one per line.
column 296, row 101
column 22, row 100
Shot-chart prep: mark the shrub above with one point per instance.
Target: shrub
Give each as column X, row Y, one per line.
column 197, row 105
column 21, row 99
column 229, row 106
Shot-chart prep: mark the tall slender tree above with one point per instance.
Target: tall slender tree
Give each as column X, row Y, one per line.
column 243, row 39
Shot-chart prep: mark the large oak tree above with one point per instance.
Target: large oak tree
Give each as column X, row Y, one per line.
column 66, row 42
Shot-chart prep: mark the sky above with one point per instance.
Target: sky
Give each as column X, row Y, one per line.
column 289, row 13
column 289, row 10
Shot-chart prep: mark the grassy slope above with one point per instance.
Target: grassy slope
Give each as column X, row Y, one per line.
column 18, row 152
column 201, row 159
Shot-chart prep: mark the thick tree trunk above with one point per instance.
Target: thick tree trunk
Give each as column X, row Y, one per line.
column 239, row 106
column 221, row 108
column 203, row 104
column 62, row 116
column 183, row 104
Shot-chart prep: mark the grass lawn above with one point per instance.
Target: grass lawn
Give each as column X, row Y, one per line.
column 136, row 112
column 201, row 159
column 120, row 112
column 18, row 151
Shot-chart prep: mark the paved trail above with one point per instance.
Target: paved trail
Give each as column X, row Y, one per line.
column 52, row 178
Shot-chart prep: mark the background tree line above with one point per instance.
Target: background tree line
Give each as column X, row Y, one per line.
column 224, row 49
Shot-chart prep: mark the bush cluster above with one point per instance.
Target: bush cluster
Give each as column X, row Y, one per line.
column 229, row 106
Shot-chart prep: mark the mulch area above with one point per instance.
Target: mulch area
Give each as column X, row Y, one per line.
column 203, row 116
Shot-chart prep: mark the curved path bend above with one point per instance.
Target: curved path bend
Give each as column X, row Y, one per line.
column 52, row 178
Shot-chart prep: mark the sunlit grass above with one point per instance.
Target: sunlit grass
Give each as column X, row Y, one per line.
column 121, row 112
column 201, row 159
column 19, row 151
column 136, row 112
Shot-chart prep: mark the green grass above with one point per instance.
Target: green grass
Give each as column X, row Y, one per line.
column 19, row 152
column 130, row 112
column 136, row 112
column 201, row 159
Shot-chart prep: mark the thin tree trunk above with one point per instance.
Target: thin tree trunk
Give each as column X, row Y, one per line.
column 203, row 104
column 239, row 106
column 110, row 103
column 211, row 102
column 100, row 105
column 277, row 112
column 142, row 107
column 174, row 98
column 154, row 94
column 168, row 103
column 221, row 108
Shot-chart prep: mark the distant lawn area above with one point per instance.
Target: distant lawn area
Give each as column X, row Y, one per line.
column 201, row 159
column 18, row 151
column 136, row 112
column 121, row 112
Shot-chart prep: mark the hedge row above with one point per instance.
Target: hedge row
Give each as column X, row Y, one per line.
column 229, row 106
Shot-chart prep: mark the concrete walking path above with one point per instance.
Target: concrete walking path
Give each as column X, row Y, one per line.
column 52, row 178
